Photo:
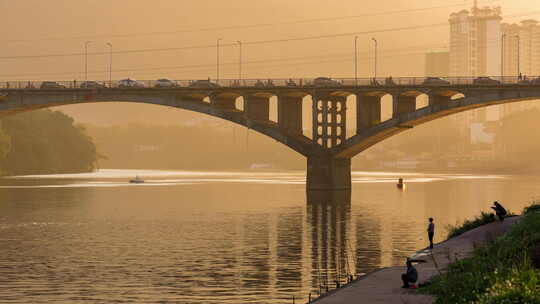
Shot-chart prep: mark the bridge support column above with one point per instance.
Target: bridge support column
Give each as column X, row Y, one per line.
column 224, row 102
column 290, row 114
column 405, row 104
column 328, row 173
column 329, row 120
column 439, row 101
column 368, row 111
column 257, row 108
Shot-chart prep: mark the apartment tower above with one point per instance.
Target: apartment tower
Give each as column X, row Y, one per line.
column 475, row 42
column 521, row 48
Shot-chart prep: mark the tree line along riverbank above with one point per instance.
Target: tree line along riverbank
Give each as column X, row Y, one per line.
column 44, row 142
column 505, row 270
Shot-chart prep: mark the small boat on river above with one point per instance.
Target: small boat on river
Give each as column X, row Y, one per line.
column 400, row 184
column 137, row 180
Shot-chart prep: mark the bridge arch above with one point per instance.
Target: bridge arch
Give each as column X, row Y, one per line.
column 221, row 105
column 405, row 121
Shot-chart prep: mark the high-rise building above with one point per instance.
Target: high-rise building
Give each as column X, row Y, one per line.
column 475, row 42
column 521, row 48
column 437, row 64
column 521, row 55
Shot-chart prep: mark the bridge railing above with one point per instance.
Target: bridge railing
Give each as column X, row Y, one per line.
column 273, row 83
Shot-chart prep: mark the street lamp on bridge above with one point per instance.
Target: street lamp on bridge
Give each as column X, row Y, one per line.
column 240, row 60
column 217, row 67
column 110, row 63
column 376, row 46
column 356, row 60
column 503, row 38
column 86, row 60
column 518, row 55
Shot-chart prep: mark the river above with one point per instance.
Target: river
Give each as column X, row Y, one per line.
column 220, row 237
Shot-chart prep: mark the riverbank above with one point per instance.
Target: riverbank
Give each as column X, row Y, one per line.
column 384, row 286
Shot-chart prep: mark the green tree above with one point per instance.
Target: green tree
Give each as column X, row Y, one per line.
column 45, row 142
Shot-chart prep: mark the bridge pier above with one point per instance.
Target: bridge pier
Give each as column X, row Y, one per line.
column 325, row 172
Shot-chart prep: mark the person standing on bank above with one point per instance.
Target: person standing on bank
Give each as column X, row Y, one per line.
column 431, row 232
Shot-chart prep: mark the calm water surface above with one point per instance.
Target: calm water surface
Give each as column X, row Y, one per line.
column 194, row 237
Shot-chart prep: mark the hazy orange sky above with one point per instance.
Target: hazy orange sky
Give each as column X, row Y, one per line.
column 36, row 27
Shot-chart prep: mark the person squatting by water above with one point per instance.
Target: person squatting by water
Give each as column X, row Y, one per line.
column 431, row 232
column 411, row 276
column 499, row 210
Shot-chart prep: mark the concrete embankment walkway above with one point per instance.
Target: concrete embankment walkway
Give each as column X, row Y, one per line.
column 384, row 286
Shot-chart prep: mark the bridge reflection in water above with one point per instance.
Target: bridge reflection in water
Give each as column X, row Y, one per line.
column 329, row 149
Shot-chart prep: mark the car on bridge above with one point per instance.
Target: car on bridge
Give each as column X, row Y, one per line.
column 165, row 83
column 91, row 85
column 325, row 82
column 130, row 83
column 261, row 84
column 52, row 85
column 435, row 81
column 291, row 83
column 203, row 84
column 484, row 80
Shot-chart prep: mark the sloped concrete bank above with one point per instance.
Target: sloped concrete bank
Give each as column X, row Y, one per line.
column 384, row 285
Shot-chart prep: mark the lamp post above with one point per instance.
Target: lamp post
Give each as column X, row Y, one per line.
column 503, row 38
column 376, row 46
column 110, row 63
column 217, row 67
column 518, row 55
column 240, row 60
column 356, row 60
column 86, row 60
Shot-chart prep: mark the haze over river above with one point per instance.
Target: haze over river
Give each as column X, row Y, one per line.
column 211, row 237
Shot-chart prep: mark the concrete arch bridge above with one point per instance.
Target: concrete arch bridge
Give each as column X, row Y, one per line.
column 329, row 150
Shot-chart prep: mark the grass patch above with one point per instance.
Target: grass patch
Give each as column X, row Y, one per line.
column 504, row 271
column 483, row 219
column 535, row 207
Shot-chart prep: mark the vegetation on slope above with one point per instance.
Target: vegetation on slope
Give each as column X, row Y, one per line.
column 483, row 219
column 507, row 270
column 43, row 142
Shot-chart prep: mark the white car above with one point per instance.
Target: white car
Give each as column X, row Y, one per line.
column 203, row 84
column 325, row 82
column 165, row 83
column 130, row 83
